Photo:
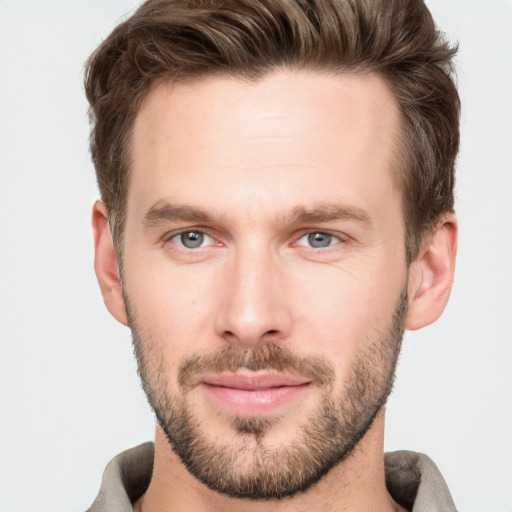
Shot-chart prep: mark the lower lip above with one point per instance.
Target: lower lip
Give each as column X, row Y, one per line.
column 252, row 403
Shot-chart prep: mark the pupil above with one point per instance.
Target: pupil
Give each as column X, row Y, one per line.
column 319, row 240
column 192, row 239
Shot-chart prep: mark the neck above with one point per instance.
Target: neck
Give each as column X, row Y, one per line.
column 356, row 484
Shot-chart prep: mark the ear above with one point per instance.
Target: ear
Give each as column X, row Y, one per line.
column 106, row 264
column 431, row 275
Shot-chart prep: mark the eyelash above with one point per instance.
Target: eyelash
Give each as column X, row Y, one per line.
column 326, row 233
column 339, row 239
column 179, row 234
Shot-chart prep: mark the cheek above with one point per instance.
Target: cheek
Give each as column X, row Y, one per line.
column 340, row 313
column 173, row 305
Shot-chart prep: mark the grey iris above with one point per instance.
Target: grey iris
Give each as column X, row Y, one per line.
column 319, row 240
column 192, row 239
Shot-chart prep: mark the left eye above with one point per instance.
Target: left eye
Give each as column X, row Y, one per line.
column 192, row 239
column 318, row 240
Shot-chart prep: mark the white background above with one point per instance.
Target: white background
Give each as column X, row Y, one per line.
column 69, row 394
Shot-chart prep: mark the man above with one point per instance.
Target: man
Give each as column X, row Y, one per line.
column 277, row 207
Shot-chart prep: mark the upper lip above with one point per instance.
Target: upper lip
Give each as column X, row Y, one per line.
column 249, row 382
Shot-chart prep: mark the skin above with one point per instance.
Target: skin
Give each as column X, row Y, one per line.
column 250, row 154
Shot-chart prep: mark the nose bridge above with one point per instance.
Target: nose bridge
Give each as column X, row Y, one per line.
column 254, row 307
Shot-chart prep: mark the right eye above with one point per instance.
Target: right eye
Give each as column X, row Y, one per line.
column 192, row 239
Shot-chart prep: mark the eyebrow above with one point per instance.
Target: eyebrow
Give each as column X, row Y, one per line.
column 329, row 212
column 164, row 211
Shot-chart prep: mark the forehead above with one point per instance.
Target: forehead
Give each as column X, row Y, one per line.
column 297, row 136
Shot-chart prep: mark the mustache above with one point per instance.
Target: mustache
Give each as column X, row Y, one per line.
column 265, row 357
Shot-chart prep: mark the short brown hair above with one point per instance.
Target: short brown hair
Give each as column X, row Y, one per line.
column 184, row 40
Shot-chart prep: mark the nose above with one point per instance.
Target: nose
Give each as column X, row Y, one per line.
column 255, row 305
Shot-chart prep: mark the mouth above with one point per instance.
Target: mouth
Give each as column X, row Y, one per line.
column 252, row 394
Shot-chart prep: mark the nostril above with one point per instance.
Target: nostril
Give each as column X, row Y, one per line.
column 272, row 331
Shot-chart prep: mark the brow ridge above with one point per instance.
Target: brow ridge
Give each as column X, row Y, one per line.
column 164, row 211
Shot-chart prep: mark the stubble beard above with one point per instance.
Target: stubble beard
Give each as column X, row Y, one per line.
column 250, row 467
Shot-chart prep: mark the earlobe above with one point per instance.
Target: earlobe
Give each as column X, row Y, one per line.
column 106, row 264
column 431, row 275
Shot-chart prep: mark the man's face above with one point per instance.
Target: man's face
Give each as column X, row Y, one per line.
column 265, row 273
